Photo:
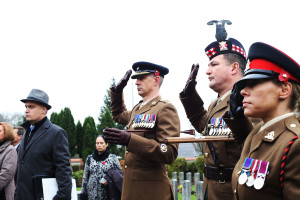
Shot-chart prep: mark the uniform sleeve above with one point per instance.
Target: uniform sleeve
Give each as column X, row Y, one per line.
column 86, row 176
column 168, row 125
column 61, row 159
column 8, row 168
column 118, row 108
column 195, row 111
column 291, row 177
column 240, row 128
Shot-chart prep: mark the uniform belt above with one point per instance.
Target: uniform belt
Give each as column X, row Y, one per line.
column 221, row 174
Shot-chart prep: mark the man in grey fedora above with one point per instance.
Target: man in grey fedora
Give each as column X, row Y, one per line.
column 44, row 151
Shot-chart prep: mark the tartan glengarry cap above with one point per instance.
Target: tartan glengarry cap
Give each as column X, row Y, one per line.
column 39, row 97
column 143, row 68
column 227, row 46
column 266, row 61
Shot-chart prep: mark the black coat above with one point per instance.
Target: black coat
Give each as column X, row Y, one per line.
column 47, row 152
column 114, row 178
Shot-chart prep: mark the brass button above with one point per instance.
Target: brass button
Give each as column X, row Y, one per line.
column 125, row 166
column 206, row 155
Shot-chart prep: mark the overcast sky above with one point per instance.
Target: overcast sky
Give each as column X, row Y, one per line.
column 72, row 49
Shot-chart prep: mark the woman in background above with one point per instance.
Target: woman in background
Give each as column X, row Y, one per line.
column 8, row 162
column 269, row 164
column 97, row 166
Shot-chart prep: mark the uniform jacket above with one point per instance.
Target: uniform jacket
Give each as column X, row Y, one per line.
column 8, row 166
column 257, row 146
column 228, row 153
column 46, row 153
column 145, row 174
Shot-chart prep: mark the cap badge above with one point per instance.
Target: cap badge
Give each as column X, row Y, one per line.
column 284, row 76
column 137, row 68
column 223, row 46
column 156, row 72
column 247, row 66
column 270, row 135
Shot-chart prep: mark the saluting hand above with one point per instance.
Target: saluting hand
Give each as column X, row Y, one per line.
column 123, row 82
column 236, row 103
column 116, row 136
column 190, row 85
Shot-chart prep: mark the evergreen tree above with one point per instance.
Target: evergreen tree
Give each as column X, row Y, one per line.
column 66, row 121
column 54, row 118
column 89, row 137
column 79, row 138
column 106, row 120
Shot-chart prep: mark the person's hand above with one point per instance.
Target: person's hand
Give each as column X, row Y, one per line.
column 123, row 82
column 116, row 136
column 190, row 85
column 236, row 103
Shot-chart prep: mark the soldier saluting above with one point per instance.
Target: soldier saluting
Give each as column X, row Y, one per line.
column 227, row 61
column 148, row 124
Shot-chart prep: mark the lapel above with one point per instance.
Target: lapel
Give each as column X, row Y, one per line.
column 270, row 133
column 223, row 104
column 148, row 106
column 36, row 135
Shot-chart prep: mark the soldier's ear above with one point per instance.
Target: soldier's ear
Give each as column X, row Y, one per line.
column 285, row 90
column 234, row 68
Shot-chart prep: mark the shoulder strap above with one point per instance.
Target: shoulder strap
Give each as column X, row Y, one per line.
column 210, row 145
column 283, row 161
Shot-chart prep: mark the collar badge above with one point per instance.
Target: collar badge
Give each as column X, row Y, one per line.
column 270, row 135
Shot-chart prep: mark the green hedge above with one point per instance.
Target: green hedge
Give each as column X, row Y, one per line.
column 181, row 165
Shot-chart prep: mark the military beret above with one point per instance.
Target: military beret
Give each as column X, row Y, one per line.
column 266, row 61
column 143, row 68
column 223, row 47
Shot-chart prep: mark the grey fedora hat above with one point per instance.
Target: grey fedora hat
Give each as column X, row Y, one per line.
column 38, row 96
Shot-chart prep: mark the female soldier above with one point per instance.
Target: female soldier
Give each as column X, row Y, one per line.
column 269, row 164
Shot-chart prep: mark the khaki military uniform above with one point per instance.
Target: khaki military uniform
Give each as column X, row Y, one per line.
column 145, row 173
column 259, row 145
column 228, row 153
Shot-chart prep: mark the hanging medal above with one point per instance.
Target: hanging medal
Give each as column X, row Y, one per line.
column 253, row 170
column 261, row 175
column 134, row 121
column 245, row 171
column 144, row 121
column 211, row 126
column 220, row 126
column 216, row 130
column 153, row 120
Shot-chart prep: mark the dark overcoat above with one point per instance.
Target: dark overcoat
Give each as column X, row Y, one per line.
column 228, row 153
column 46, row 153
column 260, row 145
column 145, row 173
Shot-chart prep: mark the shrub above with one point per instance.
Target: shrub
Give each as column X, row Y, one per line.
column 78, row 177
column 200, row 165
column 178, row 165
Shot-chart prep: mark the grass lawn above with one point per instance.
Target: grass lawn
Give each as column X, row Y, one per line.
column 193, row 197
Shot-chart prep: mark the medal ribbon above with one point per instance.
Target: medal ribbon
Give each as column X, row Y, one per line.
column 246, row 165
column 263, row 168
column 254, row 168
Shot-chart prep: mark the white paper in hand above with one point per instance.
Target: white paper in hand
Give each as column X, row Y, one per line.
column 50, row 188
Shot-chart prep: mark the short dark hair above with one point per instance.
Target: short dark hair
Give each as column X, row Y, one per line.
column 21, row 130
column 232, row 57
